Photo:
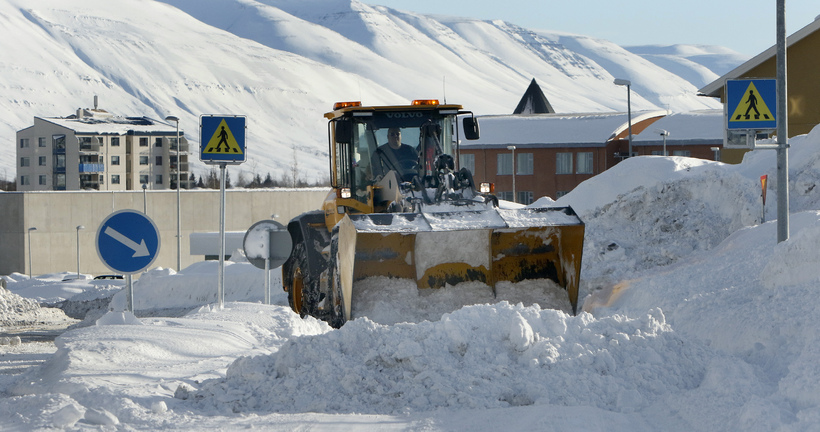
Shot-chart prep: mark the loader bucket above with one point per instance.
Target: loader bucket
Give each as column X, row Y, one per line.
column 446, row 248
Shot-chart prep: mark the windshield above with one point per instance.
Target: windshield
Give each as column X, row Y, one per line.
column 395, row 140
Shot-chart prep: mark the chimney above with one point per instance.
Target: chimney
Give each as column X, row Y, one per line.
column 95, row 102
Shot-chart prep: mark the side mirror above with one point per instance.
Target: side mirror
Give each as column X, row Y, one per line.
column 343, row 131
column 471, row 131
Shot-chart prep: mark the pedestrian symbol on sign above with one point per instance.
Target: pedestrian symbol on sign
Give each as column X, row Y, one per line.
column 751, row 108
column 223, row 141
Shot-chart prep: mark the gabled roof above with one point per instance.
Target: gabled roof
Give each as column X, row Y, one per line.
column 534, row 101
column 713, row 89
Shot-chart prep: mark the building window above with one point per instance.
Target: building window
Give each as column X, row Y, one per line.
column 563, row 163
column 59, row 161
column 115, row 141
column 58, row 142
column 41, row 161
column 525, row 197
column 23, row 142
column 115, row 179
column 59, row 181
column 584, row 163
column 41, row 141
column 467, row 161
column 159, row 161
column 504, row 164
column 115, row 160
column 157, row 142
column 143, row 160
column 143, row 142
column 144, row 179
column 24, row 161
column 685, row 153
column 524, row 163
column 42, row 180
column 158, row 179
column 24, row 180
column 85, row 143
column 559, row 194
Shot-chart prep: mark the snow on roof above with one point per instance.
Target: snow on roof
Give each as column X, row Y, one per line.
column 113, row 125
column 557, row 129
column 704, row 126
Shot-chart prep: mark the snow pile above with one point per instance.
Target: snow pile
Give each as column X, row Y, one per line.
column 17, row 311
column 476, row 358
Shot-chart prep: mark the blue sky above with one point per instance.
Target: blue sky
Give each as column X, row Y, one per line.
column 748, row 27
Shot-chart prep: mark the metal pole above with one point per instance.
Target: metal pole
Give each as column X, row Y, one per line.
column 29, row 250
column 220, row 289
column 782, row 128
column 79, row 227
column 629, row 114
column 144, row 199
column 512, row 149
column 129, row 293
column 179, row 208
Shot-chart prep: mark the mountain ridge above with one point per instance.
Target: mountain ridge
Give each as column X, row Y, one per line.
column 282, row 63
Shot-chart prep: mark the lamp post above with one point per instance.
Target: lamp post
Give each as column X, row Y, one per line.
column 179, row 205
column 512, row 149
column 29, row 250
column 144, row 199
column 79, row 227
column 628, row 84
column 664, row 134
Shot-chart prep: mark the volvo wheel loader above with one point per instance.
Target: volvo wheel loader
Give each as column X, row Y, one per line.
column 404, row 209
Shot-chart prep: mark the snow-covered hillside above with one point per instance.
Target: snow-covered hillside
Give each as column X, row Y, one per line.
column 282, row 63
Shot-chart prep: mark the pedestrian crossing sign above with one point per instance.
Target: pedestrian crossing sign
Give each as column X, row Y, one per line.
column 222, row 139
column 751, row 104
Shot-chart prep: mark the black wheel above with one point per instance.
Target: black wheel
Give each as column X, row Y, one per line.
column 295, row 273
column 336, row 317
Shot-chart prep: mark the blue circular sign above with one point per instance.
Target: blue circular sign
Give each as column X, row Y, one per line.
column 128, row 241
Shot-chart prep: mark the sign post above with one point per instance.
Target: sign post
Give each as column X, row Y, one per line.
column 222, row 142
column 267, row 245
column 128, row 242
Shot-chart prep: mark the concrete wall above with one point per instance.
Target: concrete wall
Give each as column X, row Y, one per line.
column 57, row 214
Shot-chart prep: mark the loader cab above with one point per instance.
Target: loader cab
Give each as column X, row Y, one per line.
column 361, row 156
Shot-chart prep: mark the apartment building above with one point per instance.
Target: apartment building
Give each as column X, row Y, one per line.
column 95, row 150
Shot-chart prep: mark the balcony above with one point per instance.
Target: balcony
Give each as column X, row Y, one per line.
column 92, row 167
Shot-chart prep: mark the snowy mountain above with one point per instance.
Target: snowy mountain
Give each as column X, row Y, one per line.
column 282, row 63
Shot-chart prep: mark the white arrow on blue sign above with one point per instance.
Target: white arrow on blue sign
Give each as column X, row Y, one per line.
column 128, row 241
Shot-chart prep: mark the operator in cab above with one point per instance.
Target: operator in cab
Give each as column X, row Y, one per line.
column 397, row 156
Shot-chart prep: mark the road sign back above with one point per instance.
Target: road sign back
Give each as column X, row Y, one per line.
column 748, row 104
column 222, row 139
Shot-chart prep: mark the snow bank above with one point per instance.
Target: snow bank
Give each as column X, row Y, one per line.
column 476, row 358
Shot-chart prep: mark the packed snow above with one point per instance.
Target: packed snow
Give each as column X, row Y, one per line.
column 694, row 319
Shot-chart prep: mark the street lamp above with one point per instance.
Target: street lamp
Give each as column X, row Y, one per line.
column 29, row 250
column 628, row 84
column 179, row 206
column 512, row 149
column 79, row 227
column 664, row 134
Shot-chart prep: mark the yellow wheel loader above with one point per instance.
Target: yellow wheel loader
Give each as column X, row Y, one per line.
column 400, row 207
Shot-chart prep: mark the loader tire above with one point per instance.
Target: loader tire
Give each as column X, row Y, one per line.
column 336, row 318
column 299, row 277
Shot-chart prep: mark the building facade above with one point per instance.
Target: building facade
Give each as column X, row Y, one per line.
column 94, row 150
column 531, row 156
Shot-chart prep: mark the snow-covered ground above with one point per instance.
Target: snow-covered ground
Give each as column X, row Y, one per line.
column 695, row 319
